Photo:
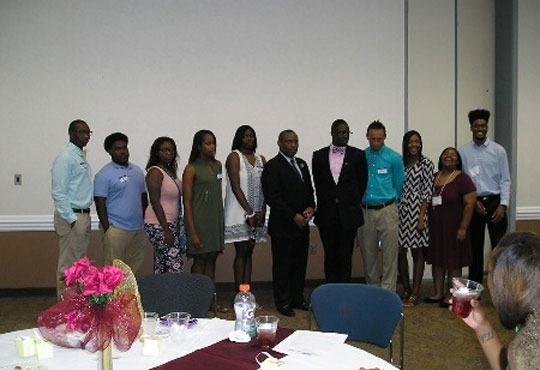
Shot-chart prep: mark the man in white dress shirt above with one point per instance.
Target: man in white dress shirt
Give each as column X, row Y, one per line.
column 486, row 163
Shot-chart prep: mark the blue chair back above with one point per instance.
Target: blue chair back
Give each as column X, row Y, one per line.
column 365, row 313
column 164, row 293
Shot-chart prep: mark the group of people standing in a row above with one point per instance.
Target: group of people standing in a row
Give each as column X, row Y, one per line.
column 390, row 202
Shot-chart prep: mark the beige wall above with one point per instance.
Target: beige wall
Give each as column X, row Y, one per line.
column 441, row 93
column 28, row 260
column 431, row 73
column 528, row 97
column 475, row 63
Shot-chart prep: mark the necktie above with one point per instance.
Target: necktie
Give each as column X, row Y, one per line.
column 293, row 163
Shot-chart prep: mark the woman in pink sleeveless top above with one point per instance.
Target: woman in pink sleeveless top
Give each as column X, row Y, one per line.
column 162, row 219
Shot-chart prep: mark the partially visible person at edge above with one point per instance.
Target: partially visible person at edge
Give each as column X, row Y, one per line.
column 289, row 193
column 450, row 213
column 245, row 208
column 203, row 204
column 384, row 187
column 413, row 215
column 340, row 178
column 121, row 200
column 72, row 190
column 486, row 163
column 163, row 219
column 514, row 285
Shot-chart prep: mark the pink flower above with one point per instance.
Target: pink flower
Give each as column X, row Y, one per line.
column 76, row 271
column 91, row 281
column 112, row 276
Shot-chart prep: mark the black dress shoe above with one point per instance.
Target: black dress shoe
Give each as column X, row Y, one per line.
column 304, row 306
column 431, row 300
column 286, row 311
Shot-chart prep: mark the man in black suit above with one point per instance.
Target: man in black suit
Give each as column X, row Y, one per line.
column 340, row 176
column 288, row 191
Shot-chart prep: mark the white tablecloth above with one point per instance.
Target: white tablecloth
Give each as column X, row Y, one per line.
column 206, row 333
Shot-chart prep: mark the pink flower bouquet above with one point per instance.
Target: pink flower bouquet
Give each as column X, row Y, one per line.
column 91, row 313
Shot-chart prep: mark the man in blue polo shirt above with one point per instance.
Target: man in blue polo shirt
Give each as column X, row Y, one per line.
column 71, row 191
column 120, row 196
column 385, row 183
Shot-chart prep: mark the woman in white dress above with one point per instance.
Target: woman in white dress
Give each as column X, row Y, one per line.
column 245, row 208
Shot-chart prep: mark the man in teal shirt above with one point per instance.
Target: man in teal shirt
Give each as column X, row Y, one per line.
column 385, row 183
column 72, row 191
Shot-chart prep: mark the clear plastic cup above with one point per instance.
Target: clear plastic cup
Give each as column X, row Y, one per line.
column 177, row 322
column 266, row 330
column 149, row 323
column 463, row 291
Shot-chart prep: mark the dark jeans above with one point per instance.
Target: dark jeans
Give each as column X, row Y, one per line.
column 478, row 227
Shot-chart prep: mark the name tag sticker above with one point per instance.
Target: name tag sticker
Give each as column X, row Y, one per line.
column 437, row 200
column 123, row 179
column 219, row 176
column 382, row 171
column 475, row 171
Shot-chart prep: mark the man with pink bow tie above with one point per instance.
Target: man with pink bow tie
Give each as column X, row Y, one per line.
column 340, row 177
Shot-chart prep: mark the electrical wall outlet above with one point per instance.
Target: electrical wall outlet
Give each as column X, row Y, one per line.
column 17, row 179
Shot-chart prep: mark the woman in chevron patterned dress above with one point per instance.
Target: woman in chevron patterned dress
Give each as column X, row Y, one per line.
column 413, row 222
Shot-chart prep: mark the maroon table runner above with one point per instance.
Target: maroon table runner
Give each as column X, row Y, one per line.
column 224, row 355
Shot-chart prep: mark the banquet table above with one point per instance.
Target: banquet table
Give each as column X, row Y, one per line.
column 205, row 347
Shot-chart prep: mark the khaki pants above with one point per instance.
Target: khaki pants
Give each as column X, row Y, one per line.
column 73, row 244
column 128, row 246
column 380, row 225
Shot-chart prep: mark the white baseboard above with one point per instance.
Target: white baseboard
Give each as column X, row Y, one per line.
column 528, row 213
column 34, row 223
column 14, row 223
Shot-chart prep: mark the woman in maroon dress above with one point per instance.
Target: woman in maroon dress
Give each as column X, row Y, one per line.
column 452, row 205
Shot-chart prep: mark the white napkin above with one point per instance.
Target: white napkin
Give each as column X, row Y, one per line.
column 238, row 336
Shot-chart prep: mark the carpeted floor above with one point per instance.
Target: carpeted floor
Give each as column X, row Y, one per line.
column 434, row 337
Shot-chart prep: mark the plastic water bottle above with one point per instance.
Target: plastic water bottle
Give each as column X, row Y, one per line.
column 244, row 308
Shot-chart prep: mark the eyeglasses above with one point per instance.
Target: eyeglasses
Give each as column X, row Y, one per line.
column 84, row 132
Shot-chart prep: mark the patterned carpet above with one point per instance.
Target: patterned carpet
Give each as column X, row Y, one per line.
column 434, row 337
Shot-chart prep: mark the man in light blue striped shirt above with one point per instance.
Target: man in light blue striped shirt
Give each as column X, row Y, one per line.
column 386, row 174
column 486, row 163
column 72, row 192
